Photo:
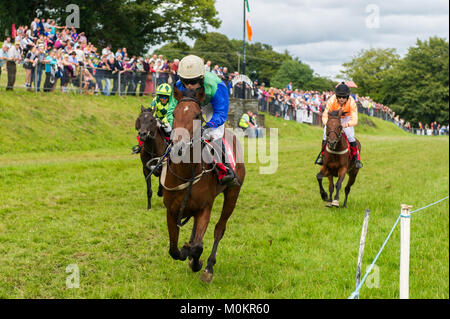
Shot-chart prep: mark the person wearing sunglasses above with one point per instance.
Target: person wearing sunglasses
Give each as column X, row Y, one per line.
column 192, row 74
column 160, row 104
column 342, row 100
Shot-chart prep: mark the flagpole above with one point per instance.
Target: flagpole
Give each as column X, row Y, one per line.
column 243, row 43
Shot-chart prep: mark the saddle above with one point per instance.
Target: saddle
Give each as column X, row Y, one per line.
column 231, row 159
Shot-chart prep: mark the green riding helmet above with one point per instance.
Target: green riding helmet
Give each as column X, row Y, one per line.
column 164, row 89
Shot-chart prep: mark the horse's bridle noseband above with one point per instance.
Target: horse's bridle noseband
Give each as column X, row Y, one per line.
column 334, row 131
column 149, row 133
column 197, row 116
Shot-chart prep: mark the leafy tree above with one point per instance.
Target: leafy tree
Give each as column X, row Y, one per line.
column 262, row 62
column 420, row 82
column 293, row 70
column 174, row 50
column 369, row 70
column 123, row 23
column 319, row 83
column 218, row 49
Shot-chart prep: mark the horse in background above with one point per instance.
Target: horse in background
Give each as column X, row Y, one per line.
column 191, row 188
column 154, row 146
column 337, row 161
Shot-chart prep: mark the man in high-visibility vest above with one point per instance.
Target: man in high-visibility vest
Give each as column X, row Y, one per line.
column 160, row 104
column 247, row 120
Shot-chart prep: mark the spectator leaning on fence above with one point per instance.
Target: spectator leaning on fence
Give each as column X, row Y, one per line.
column 29, row 65
column 50, row 64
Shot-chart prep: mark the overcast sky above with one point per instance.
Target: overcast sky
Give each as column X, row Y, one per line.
column 327, row 33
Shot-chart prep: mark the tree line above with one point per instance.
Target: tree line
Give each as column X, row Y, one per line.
column 262, row 62
column 415, row 86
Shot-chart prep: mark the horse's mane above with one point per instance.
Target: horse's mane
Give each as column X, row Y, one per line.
column 189, row 93
column 333, row 113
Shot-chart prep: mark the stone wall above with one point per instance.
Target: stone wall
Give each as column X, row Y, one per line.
column 239, row 107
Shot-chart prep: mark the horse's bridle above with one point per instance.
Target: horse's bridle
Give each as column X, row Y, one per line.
column 341, row 130
column 197, row 116
column 148, row 133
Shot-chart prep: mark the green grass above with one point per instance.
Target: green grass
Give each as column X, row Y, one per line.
column 71, row 193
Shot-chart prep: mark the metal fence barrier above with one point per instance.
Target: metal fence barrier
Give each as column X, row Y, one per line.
column 82, row 79
column 288, row 112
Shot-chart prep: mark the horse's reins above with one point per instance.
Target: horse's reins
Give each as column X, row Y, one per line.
column 159, row 160
column 339, row 138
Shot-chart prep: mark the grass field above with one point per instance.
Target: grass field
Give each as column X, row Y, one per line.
column 71, row 194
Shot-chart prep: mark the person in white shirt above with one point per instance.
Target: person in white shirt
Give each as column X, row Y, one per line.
column 106, row 51
column 3, row 56
column 208, row 66
column 14, row 56
column 8, row 42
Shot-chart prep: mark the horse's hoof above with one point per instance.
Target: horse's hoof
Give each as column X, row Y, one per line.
column 195, row 266
column 329, row 204
column 335, row 203
column 324, row 196
column 206, row 276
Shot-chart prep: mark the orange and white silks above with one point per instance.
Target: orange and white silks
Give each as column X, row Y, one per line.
column 350, row 110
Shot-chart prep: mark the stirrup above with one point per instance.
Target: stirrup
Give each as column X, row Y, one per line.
column 135, row 149
column 319, row 160
column 358, row 164
column 229, row 179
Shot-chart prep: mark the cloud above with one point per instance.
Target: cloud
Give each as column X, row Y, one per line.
column 327, row 33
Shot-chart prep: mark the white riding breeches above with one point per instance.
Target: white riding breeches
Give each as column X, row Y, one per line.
column 349, row 131
column 212, row 133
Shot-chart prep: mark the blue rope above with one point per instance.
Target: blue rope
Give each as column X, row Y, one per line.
column 414, row 211
column 356, row 292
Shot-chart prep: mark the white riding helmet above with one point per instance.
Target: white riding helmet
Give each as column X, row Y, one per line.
column 191, row 67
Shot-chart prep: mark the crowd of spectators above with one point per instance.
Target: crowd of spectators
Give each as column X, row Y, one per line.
column 68, row 58
column 55, row 56
column 286, row 102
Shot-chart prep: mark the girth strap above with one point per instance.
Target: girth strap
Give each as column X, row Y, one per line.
column 336, row 153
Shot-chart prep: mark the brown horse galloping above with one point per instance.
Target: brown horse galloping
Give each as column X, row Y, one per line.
column 337, row 161
column 151, row 135
column 191, row 188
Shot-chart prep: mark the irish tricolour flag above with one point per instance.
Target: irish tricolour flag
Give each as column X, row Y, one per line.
column 249, row 26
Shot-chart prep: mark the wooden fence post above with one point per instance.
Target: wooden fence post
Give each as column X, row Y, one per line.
column 362, row 243
column 405, row 227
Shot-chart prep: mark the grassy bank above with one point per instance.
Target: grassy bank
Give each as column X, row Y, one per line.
column 70, row 193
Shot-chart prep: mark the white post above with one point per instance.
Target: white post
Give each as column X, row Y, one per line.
column 405, row 226
column 362, row 243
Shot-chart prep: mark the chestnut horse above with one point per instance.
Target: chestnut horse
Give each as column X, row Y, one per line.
column 190, row 188
column 151, row 135
column 337, row 161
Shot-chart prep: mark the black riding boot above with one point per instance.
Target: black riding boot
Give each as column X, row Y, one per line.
column 230, row 177
column 319, row 160
column 135, row 149
column 356, row 157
